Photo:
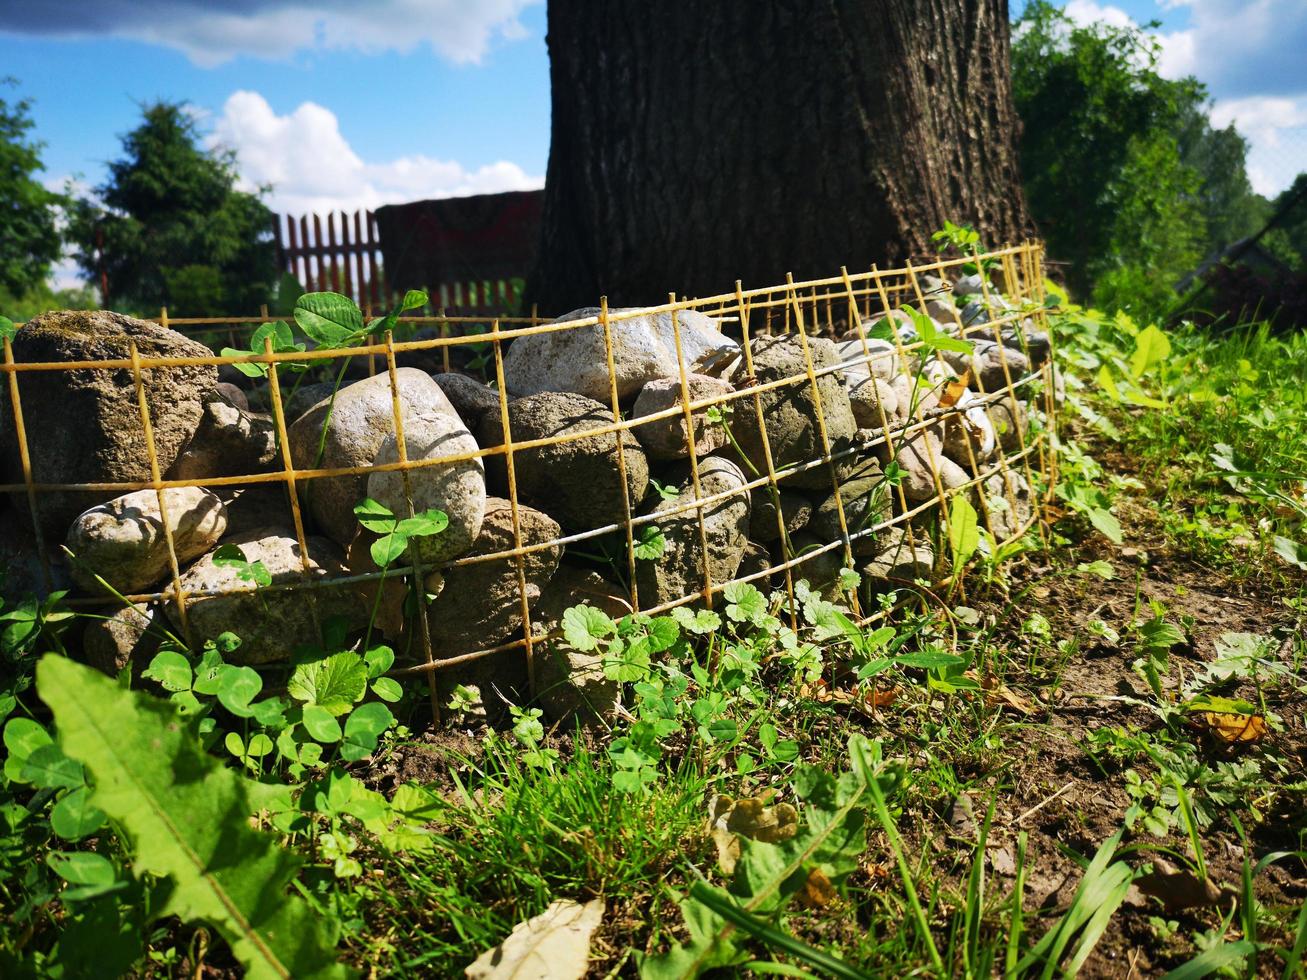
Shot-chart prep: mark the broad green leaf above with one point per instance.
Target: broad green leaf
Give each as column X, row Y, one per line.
column 928, row 659
column 388, row 689
column 1291, row 551
column 374, row 516
column 700, row 621
column 328, row 319
column 171, row 670
column 379, row 660
column 663, row 633
column 81, row 867
column 335, row 683
column 1107, row 523
column 74, row 816
column 584, row 626
column 963, row 531
column 423, row 525
column 1151, row 347
column 22, row 737
column 362, row 729
column 237, row 687
column 48, row 768
column 187, row 817
column 248, row 369
column 7, row 329
column 744, row 602
column 651, row 543
column 321, row 724
column 388, row 549
column 414, row 299
column 1102, row 569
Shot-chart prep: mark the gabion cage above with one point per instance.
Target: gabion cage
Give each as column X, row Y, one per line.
column 637, row 459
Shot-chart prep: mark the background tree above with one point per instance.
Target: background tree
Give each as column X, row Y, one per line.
column 174, row 228
column 29, row 235
column 696, row 143
column 1126, row 178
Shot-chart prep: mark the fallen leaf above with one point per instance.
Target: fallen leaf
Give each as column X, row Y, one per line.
column 1002, row 861
column 998, row 694
column 873, row 698
column 555, row 945
column 1231, row 729
column 953, row 390
column 753, row 817
column 1178, row 888
column 817, row 892
column 962, row 817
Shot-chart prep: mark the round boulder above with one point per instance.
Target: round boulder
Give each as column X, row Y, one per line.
column 360, row 427
column 124, row 542
column 84, row 425
column 270, row 623
column 790, row 410
column 576, row 481
column 666, row 438
column 679, row 571
column 644, row 348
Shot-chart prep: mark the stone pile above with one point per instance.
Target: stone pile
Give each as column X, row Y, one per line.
column 575, row 474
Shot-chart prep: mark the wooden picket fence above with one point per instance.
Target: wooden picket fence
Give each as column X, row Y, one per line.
column 343, row 253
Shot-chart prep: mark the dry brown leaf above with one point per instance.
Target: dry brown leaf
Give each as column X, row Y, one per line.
column 1232, row 729
column 817, row 892
column 999, row 695
column 1178, row 888
column 823, row 693
column 555, row 945
column 753, row 817
column 953, row 390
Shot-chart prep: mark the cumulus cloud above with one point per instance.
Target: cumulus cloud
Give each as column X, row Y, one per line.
column 211, row 32
column 312, row 168
column 1085, row 12
column 1240, row 47
column 1276, row 130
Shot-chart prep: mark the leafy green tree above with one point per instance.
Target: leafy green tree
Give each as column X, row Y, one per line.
column 1232, row 210
column 29, row 236
column 173, row 227
column 1126, row 177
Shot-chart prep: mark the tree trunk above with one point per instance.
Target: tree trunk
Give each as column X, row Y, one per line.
column 696, row 143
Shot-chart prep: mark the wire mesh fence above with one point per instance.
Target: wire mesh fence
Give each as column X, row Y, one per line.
column 638, row 460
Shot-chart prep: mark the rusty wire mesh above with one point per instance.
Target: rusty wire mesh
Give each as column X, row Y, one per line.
column 800, row 309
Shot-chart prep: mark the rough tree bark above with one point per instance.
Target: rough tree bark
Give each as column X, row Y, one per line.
column 696, row 142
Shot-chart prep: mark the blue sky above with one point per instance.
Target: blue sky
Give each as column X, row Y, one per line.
column 345, row 104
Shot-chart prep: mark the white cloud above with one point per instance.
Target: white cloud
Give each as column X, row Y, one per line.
column 1085, row 12
column 1276, row 130
column 211, row 32
column 312, row 167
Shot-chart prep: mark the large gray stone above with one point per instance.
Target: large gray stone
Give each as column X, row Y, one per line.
column 122, row 639
column 866, row 499
column 790, row 411
column 679, row 571
column 84, row 425
column 456, row 489
column 358, row 428
column 902, row 559
column 480, row 604
column 470, row 398
column 796, row 510
column 921, row 457
column 1008, row 416
column 229, row 441
column 666, row 438
column 270, row 623
column 571, row 683
column 577, row 481
column 644, row 348
column 124, row 541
